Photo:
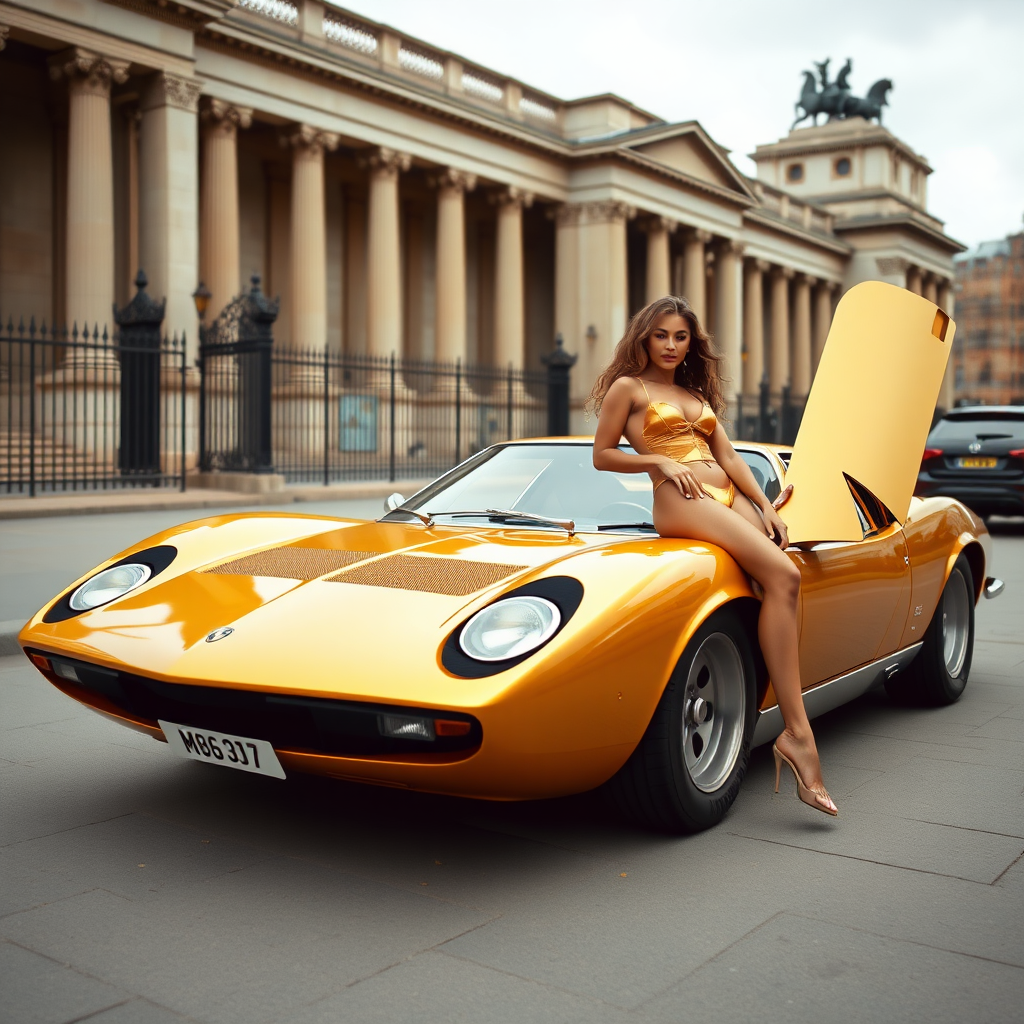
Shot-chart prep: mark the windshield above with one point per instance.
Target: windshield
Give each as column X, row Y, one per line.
column 552, row 480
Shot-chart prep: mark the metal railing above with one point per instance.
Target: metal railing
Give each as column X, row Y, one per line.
column 85, row 410
column 320, row 416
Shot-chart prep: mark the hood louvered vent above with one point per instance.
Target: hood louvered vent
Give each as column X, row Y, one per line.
column 456, row 577
column 291, row 563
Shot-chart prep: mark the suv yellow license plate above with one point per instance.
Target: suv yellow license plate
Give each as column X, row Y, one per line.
column 976, row 462
column 242, row 752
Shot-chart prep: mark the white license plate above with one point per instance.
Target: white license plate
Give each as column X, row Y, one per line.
column 242, row 752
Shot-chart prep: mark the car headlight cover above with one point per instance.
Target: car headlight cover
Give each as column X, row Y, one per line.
column 109, row 585
column 510, row 628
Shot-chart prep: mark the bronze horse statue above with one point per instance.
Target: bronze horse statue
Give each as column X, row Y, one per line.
column 835, row 100
column 871, row 105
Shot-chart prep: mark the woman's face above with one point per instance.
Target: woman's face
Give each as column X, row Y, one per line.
column 669, row 342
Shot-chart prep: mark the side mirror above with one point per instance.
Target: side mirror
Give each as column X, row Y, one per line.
column 393, row 501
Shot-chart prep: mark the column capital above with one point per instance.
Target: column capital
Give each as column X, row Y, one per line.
column 786, row 273
column 653, row 222
column 166, row 90
column 759, row 266
column 306, row 137
column 698, row 235
column 801, row 278
column 5, row 31
column 565, row 215
column 607, row 211
column 826, row 284
column 889, row 266
column 451, row 179
column 386, row 163
column 512, row 196
column 731, row 247
column 223, row 117
column 91, row 71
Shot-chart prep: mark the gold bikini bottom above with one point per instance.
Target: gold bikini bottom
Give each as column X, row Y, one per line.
column 726, row 495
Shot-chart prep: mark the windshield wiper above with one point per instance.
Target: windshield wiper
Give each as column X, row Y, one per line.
column 505, row 516
column 627, row 526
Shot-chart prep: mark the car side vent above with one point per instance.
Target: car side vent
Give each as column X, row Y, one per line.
column 291, row 563
column 454, row 576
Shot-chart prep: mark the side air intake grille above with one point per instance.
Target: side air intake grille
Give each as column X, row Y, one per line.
column 291, row 563
column 454, row 576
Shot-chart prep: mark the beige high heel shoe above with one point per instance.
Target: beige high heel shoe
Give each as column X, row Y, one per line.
column 808, row 796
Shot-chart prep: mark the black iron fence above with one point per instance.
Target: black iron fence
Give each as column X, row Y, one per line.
column 84, row 410
column 319, row 416
column 773, row 418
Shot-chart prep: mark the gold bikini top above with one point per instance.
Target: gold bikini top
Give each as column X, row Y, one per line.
column 668, row 432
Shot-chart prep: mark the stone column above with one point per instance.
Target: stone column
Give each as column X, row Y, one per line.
column 219, row 261
column 169, row 197
column 567, row 274
column 930, row 288
column 383, row 262
column 946, row 301
column 658, row 267
column 801, row 369
column 90, row 184
column 914, row 280
column 753, row 328
column 509, row 296
column 308, row 236
column 778, row 367
column 450, row 309
column 729, row 316
column 695, row 271
column 822, row 321
column 603, row 296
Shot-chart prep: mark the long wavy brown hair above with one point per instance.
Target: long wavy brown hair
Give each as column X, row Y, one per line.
column 698, row 372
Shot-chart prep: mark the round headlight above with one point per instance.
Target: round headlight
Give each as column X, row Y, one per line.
column 109, row 585
column 509, row 628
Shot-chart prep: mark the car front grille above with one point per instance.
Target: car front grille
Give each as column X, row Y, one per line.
column 296, row 723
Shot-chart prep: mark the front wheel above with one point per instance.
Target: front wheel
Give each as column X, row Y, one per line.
column 939, row 673
column 686, row 771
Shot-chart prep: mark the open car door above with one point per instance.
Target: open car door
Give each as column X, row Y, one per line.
column 869, row 411
column 853, row 470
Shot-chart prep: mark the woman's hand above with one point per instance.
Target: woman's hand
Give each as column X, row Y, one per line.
column 681, row 475
column 773, row 521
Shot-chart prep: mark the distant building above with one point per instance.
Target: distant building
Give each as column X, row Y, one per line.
column 989, row 355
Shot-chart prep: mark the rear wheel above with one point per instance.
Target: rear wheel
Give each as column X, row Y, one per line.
column 939, row 673
column 686, row 771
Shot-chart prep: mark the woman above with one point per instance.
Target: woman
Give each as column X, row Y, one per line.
column 662, row 391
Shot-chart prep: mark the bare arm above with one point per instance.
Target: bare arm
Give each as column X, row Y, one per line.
column 740, row 473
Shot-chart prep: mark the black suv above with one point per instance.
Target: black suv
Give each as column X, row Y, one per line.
column 976, row 455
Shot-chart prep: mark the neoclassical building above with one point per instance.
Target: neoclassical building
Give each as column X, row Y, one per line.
column 400, row 198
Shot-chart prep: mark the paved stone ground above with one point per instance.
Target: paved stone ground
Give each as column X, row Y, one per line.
column 140, row 888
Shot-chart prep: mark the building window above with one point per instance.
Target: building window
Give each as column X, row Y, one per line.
column 795, row 173
column 842, row 167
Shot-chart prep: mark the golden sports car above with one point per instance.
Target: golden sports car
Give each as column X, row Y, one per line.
column 517, row 629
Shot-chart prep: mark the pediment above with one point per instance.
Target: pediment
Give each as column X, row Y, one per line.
column 689, row 151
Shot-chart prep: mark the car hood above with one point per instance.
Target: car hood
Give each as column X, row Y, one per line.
column 350, row 608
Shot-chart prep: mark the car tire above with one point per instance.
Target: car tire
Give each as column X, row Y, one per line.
column 938, row 674
column 687, row 770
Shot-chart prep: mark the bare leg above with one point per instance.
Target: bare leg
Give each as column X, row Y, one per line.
column 741, row 532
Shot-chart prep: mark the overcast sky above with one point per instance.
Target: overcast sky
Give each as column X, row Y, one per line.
column 734, row 65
